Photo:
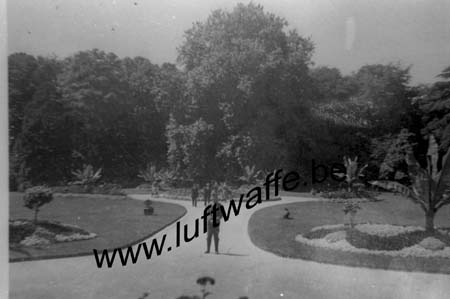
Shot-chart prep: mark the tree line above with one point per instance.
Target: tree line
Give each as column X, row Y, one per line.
column 244, row 92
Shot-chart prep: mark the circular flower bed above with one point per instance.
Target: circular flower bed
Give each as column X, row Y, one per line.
column 26, row 233
column 379, row 239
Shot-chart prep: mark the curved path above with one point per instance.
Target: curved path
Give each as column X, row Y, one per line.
column 241, row 269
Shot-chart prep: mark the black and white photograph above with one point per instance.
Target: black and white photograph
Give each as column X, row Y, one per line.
column 225, row 149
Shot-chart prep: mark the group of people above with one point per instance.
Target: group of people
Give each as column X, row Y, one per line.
column 216, row 193
column 210, row 192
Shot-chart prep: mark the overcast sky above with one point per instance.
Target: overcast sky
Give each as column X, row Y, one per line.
column 347, row 34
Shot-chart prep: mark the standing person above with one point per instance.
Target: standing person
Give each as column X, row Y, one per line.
column 214, row 225
column 194, row 194
column 207, row 194
column 226, row 192
column 215, row 192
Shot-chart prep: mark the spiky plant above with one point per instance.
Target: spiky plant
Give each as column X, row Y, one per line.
column 250, row 175
column 430, row 187
column 87, row 176
column 352, row 172
column 149, row 174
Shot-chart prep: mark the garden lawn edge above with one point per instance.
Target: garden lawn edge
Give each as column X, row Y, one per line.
column 350, row 259
column 25, row 259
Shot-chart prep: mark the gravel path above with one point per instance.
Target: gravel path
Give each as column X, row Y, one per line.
column 241, row 269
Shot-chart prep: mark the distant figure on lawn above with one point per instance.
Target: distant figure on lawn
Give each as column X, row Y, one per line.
column 194, row 194
column 287, row 214
column 207, row 194
column 214, row 225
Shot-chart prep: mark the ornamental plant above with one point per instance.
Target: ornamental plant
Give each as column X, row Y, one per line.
column 149, row 174
column 36, row 197
column 351, row 208
column 430, row 186
column 352, row 172
column 250, row 175
column 87, row 177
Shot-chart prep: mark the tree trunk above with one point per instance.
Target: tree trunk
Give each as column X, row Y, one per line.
column 429, row 221
column 35, row 215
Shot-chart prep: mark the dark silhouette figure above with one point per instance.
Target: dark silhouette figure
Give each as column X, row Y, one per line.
column 214, row 226
column 207, row 194
column 287, row 214
column 194, row 194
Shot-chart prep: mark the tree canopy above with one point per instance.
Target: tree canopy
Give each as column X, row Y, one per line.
column 245, row 94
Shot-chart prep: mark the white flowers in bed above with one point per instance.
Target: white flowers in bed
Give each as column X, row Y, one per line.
column 386, row 230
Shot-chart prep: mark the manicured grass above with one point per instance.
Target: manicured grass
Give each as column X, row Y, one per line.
column 269, row 231
column 117, row 221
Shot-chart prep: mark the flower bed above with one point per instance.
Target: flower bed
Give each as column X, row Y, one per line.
column 315, row 222
column 26, row 233
column 379, row 239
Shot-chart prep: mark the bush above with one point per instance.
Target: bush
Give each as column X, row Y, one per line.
column 24, row 232
column 19, row 230
column 322, row 232
column 107, row 188
column 339, row 195
column 87, row 176
column 432, row 243
column 373, row 242
column 336, row 236
column 35, row 197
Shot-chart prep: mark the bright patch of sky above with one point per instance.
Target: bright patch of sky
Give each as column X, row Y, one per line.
column 347, row 33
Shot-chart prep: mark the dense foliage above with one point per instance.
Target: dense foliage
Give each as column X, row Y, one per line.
column 246, row 93
column 430, row 187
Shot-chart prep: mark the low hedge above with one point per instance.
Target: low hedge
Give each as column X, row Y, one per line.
column 373, row 242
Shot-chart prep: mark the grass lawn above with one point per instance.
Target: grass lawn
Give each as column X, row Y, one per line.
column 117, row 222
column 269, row 231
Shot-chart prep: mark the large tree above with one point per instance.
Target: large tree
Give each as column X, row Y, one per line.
column 435, row 106
column 114, row 101
column 39, row 143
column 383, row 89
column 21, row 87
column 248, row 77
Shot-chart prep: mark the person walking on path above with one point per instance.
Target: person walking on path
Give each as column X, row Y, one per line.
column 207, row 194
column 213, row 228
column 194, row 194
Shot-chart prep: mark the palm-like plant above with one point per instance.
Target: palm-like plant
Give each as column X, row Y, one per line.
column 352, row 172
column 430, row 187
column 250, row 175
column 149, row 174
column 87, row 176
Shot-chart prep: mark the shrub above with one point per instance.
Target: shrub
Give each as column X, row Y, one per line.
column 250, row 175
column 35, row 197
column 34, row 240
column 110, row 189
column 374, row 242
column 351, row 208
column 149, row 174
column 321, row 232
column 148, row 203
column 432, row 243
column 148, row 207
column 352, row 172
column 87, row 177
column 19, row 230
column 336, row 236
column 430, row 187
